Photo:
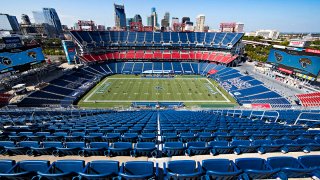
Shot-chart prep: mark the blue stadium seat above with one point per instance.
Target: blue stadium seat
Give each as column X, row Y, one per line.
column 197, row 148
column 173, row 149
column 170, row 137
column 221, row 147
column 148, row 149
column 288, row 145
column 256, row 168
column 6, row 165
column 130, row 137
column 71, row 148
column 139, row 170
column 120, row 149
column 63, row 169
column 101, row 169
column 290, row 166
column 220, row 169
column 147, row 137
column 22, row 148
column 205, row 136
column 182, row 169
column 244, row 146
column 310, row 161
column 95, row 149
column 26, row 169
column 187, row 137
column 308, row 144
column 266, row 146
column 46, row 148
column 111, row 137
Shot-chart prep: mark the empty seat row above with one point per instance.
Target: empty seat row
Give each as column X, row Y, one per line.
column 242, row 168
column 151, row 149
column 77, row 169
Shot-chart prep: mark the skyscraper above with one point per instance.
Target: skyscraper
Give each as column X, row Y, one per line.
column 52, row 19
column 165, row 22
column 167, row 16
column 200, row 23
column 174, row 20
column 129, row 21
column 154, row 17
column 185, row 19
column 38, row 17
column 25, row 19
column 119, row 16
column 149, row 23
column 137, row 18
column 9, row 23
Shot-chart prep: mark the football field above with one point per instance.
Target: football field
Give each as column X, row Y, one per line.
column 125, row 89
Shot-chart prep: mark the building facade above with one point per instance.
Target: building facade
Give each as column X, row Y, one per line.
column 200, row 20
column 9, row 23
column 52, row 18
column 268, row 34
column 119, row 16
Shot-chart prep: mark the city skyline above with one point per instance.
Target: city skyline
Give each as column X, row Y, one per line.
column 286, row 15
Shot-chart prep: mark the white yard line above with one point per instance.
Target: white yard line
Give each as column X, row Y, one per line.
column 227, row 100
column 94, row 92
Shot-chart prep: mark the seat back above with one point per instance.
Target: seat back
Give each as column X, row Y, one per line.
column 305, row 141
column 75, row 144
column 7, row 144
column 218, row 143
column 196, row 144
column 138, row 167
column 6, row 164
column 240, row 143
column 220, row 165
column 145, row 145
column 52, row 144
column 63, row 166
column 281, row 162
column 284, row 141
column 182, row 166
column 173, row 144
column 262, row 142
column 33, row 165
column 122, row 145
column 310, row 161
column 34, row 144
column 104, row 166
column 99, row 145
column 251, row 163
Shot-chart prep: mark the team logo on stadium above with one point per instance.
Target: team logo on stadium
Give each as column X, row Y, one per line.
column 278, row 56
column 5, row 61
column 32, row 54
column 305, row 62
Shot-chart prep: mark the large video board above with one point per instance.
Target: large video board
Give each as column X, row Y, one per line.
column 9, row 59
column 296, row 62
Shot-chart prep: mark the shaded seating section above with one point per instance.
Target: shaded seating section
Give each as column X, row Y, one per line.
column 63, row 91
column 218, row 40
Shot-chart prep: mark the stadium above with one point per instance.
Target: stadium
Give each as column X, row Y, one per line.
column 158, row 105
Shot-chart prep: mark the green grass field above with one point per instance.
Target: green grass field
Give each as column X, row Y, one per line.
column 121, row 90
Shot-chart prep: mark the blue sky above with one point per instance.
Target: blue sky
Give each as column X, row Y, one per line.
column 283, row 15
